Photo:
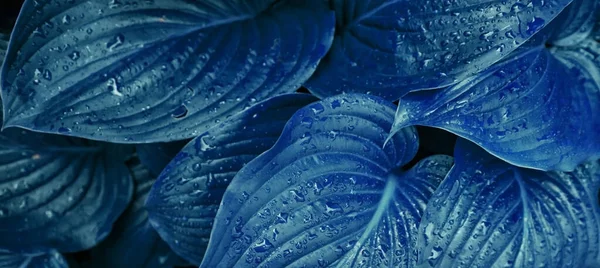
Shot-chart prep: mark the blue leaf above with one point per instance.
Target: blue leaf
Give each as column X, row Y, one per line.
column 141, row 71
column 156, row 156
column 184, row 200
column 3, row 47
column 488, row 213
column 576, row 22
column 50, row 260
column 58, row 192
column 133, row 242
column 391, row 47
column 538, row 109
column 327, row 193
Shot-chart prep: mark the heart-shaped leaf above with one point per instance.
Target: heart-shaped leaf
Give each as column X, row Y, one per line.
column 184, row 200
column 391, row 47
column 576, row 22
column 327, row 193
column 58, row 192
column 488, row 213
column 50, row 260
column 141, row 71
column 133, row 242
column 156, row 156
column 538, row 109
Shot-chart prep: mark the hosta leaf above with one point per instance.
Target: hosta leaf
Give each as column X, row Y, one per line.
column 3, row 47
column 538, row 109
column 576, row 22
column 184, row 200
column 133, row 242
column 327, row 193
column 50, row 260
column 58, row 192
column 156, row 156
column 488, row 213
column 155, row 70
column 391, row 47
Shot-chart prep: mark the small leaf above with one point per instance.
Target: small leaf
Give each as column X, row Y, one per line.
column 184, row 200
column 488, row 213
column 390, row 47
column 537, row 110
column 576, row 22
column 58, row 192
column 156, row 156
column 133, row 242
column 327, row 193
column 50, row 260
column 141, row 71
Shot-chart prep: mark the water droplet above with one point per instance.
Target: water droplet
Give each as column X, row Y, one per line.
column 317, row 108
column 115, row 42
column 197, row 167
column 74, row 55
column 64, row 130
column 113, row 87
column 203, row 145
column 180, row 112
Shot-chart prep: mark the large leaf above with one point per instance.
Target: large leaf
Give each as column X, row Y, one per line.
column 50, row 260
column 184, row 200
column 155, row 70
column 156, row 156
column 488, row 213
column 327, row 193
column 391, row 47
column 576, row 22
column 538, row 109
column 58, row 192
column 3, row 47
column 133, row 242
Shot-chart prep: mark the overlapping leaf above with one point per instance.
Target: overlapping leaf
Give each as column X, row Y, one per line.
column 51, row 260
column 57, row 192
column 488, row 213
column 155, row 70
column 327, row 193
column 538, row 109
column 576, row 22
column 390, row 47
column 186, row 196
column 133, row 242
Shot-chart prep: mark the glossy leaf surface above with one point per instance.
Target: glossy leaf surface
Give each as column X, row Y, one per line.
column 156, row 156
column 391, row 47
column 184, row 200
column 327, row 193
column 488, row 213
column 50, row 260
column 538, row 109
column 141, row 71
column 58, row 192
column 133, row 242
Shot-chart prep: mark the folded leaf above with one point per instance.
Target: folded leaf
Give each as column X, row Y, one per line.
column 50, row 260
column 327, row 193
column 156, row 156
column 391, row 47
column 183, row 202
column 58, row 192
column 539, row 109
column 576, row 22
column 133, row 242
column 142, row 71
column 488, row 213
